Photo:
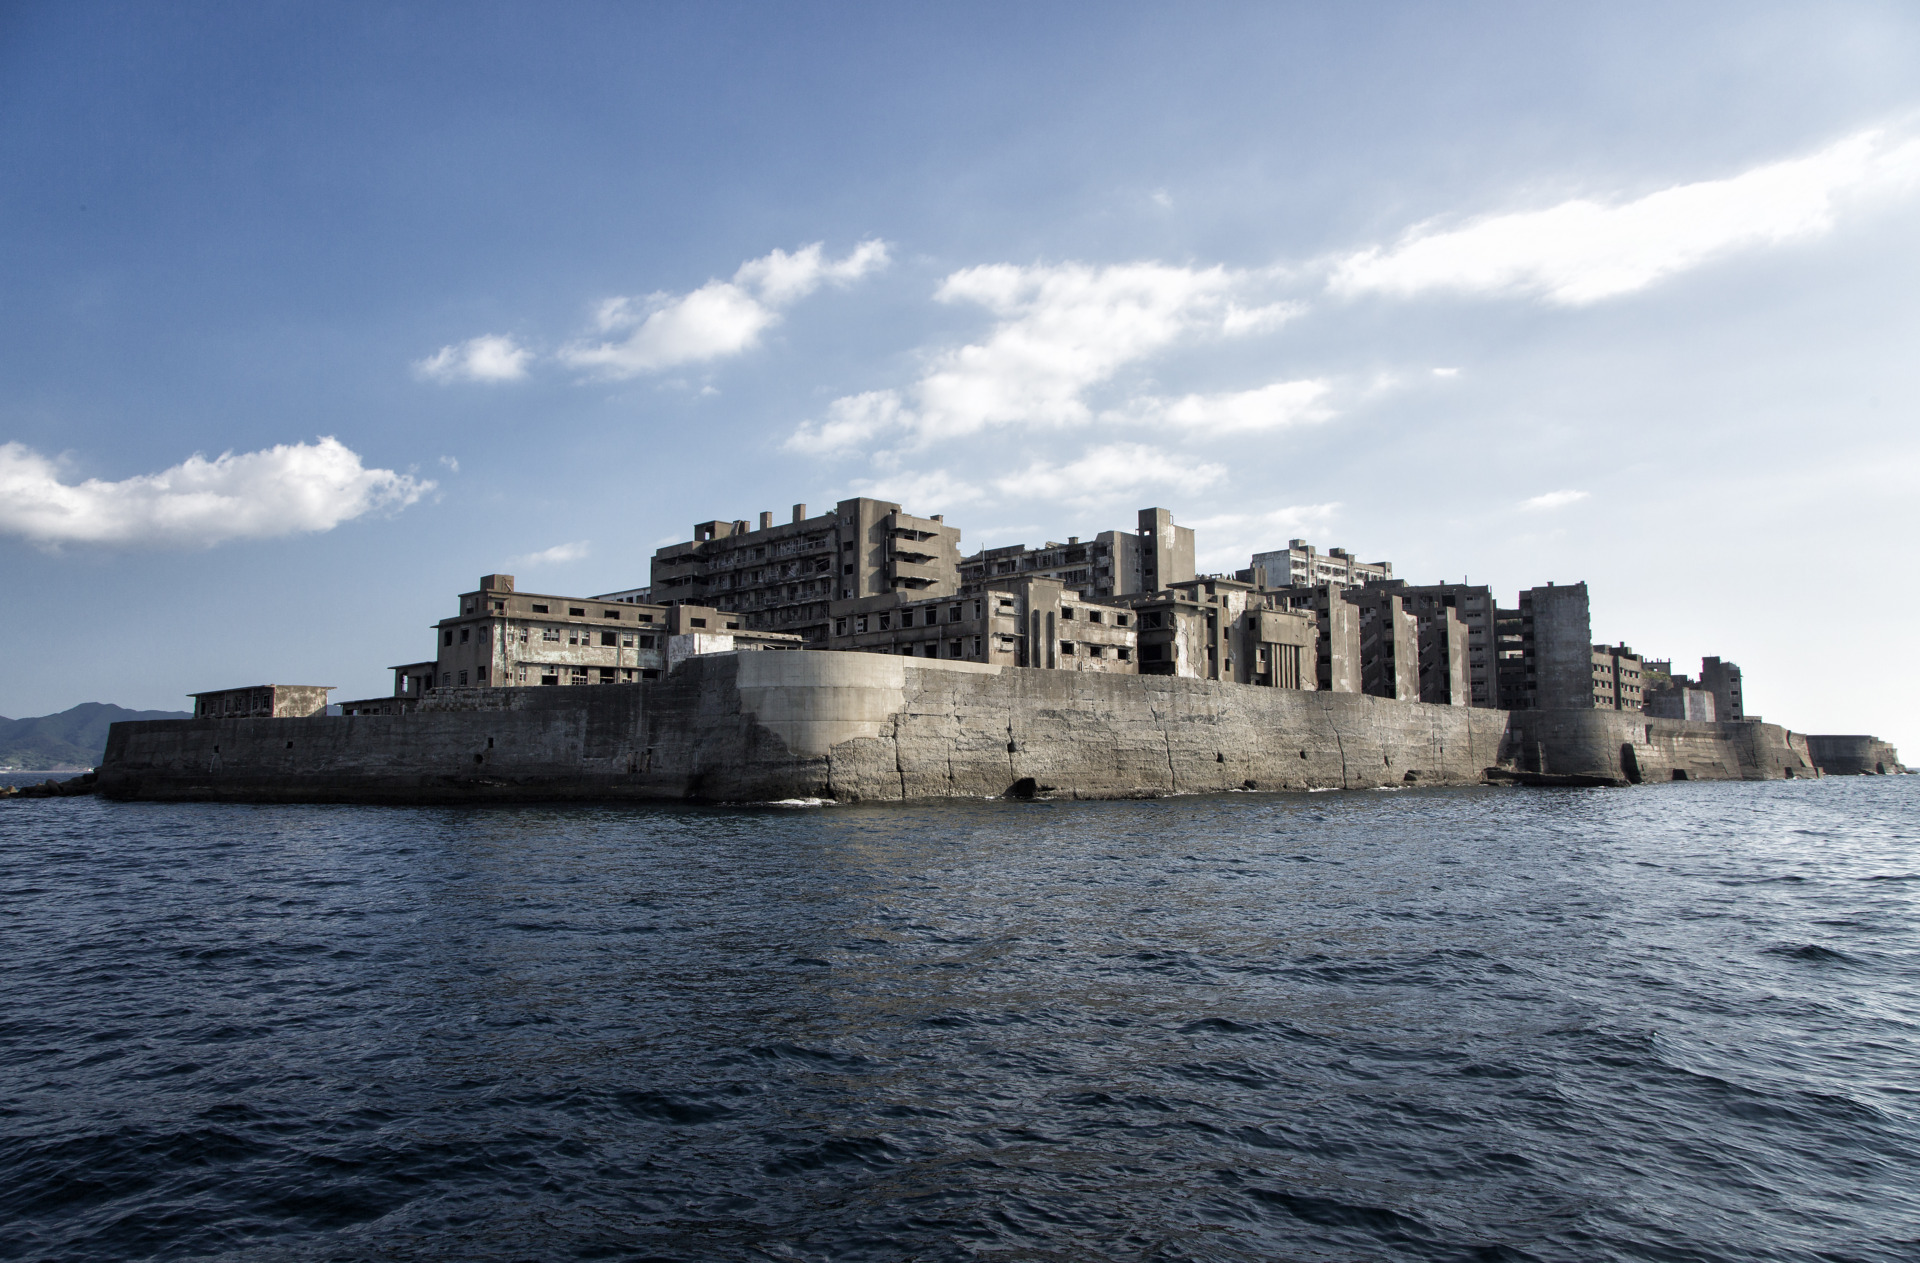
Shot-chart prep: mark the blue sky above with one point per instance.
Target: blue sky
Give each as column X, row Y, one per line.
column 316, row 313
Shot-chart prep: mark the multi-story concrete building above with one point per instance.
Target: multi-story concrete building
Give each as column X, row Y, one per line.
column 1112, row 563
column 1473, row 607
column 1212, row 628
column 1545, row 650
column 506, row 639
column 1619, row 678
column 793, row 577
column 1722, row 679
column 1389, row 644
column 1674, row 700
column 1336, row 622
column 1300, row 565
column 1019, row 622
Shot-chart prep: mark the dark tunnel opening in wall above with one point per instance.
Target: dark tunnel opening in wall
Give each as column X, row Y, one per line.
column 1629, row 764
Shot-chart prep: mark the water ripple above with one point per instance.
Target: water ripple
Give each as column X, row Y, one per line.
column 1678, row 1023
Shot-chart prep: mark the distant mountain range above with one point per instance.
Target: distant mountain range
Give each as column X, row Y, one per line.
column 74, row 738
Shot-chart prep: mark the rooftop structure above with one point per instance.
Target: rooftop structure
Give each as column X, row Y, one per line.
column 1300, row 565
column 1112, row 563
column 262, row 701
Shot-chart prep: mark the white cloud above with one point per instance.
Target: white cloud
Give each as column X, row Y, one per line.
column 1446, row 372
column 1583, row 251
column 852, row 421
column 920, row 492
column 719, row 319
column 1099, row 477
column 1267, row 408
column 492, row 357
column 558, row 555
column 198, row 503
column 1107, row 474
column 1227, row 541
column 1061, row 330
column 1554, row 500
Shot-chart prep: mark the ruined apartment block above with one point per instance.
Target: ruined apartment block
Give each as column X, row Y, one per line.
column 791, row 578
column 1300, row 565
column 1115, row 563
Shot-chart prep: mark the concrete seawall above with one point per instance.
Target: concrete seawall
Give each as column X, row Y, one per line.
column 760, row 726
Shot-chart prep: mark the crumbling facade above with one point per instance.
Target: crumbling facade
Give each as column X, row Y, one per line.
column 1114, row 563
column 869, row 577
column 796, row 577
column 262, row 701
column 1299, row 564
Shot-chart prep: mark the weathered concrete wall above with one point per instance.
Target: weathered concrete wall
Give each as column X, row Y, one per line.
column 760, row 726
column 1854, row 755
column 1630, row 747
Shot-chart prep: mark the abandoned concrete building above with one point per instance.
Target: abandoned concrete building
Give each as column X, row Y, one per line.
column 791, row 577
column 1300, row 565
column 1215, row 628
column 502, row 638
column 1618, row 678
column 1114, row 563
column 1714, row 696
column 1029, row 620
column 1474, row 607
column 1544, row 650
column 1722, row 679
column 262, row 701
column 870, row 577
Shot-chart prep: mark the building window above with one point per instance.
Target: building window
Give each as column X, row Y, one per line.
column 1066, row 646
column 550, row 633
column 446, row 638
column 1123, row 653
column 1119, row 620
column 860, row 624
column 906, row 618
column 1066, row 612
column 839, row 626
column 1093, row 616
column 610, row 613
column 697, row 622
column 953, row 615
column 609, row 638
column 606, row 675
column 575, row 611
column 540, row 609
column 463, row 677
column 550, row 678
column 579, row 675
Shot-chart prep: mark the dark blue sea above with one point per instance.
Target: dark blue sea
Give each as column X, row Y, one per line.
column 1676, row 1022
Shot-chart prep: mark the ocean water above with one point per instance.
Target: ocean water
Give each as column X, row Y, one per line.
column 1676, row 1022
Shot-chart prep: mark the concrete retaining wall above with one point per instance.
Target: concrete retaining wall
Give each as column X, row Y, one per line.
column 759, row 726
column 1855, row 756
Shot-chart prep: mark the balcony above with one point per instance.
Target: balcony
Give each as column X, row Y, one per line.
column 915, row 574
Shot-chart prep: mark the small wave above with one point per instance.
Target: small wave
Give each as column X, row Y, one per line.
column 1811, row 951
column 801, row 802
